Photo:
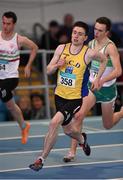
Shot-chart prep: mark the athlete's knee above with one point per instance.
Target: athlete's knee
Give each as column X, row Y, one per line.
column 10, row 106
column 55, row 122
column 80, row 117
column 108, row 125
column 79, row 122
column 65, row 131
column 68, row 132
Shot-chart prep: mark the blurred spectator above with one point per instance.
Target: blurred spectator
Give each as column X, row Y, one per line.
column 49, row 39
column 4, row 113
column 24, row 103
column 118, row 103
column 115, row 38
column 63, row 38
column 38, row 107
column 66, row 28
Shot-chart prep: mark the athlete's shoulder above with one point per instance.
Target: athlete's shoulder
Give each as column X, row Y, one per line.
column 91, row 43
column 60, row 48
column 21, row 38
column 110, row 46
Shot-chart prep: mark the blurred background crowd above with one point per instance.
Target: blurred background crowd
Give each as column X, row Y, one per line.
column 33, row 102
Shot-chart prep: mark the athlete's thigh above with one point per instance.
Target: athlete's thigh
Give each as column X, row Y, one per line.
column 88, row 102
column 107, row 111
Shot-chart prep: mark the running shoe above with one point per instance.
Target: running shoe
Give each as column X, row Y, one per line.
column 25, row 133
column 69, row 157
column 86, row 148
column 37, row 165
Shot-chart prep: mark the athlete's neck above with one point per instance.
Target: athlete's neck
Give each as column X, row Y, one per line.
column 102, row 42
column 7, row 36
column 75, row 49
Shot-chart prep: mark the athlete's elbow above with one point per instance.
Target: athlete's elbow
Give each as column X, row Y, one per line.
column 119, row 72
column 36, row 48
column 48, row 70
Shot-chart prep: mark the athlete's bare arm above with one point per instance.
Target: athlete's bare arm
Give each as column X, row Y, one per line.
column 56, row 62
column 24, row 41
column 93, row 54
column 112, row 51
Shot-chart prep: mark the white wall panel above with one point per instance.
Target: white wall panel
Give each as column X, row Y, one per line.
column 42, row 11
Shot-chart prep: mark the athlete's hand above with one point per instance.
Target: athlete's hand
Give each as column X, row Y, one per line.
column 61, row 63
column 27, row 71
column 101, row 82
column 95, row 85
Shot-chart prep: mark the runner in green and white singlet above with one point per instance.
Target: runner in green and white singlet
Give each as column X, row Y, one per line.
column 106, row 92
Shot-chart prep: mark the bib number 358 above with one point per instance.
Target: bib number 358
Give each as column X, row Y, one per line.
column 67, row 81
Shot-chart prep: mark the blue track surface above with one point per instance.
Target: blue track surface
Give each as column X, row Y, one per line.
column 105, row 162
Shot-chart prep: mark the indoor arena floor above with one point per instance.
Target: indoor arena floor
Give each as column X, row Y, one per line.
column 105, row 161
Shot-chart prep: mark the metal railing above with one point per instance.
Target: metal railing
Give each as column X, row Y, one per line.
column 43, row 58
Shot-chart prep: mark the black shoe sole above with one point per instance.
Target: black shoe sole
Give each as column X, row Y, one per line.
column 66, row 160
column 32, row 166
column 86, row 147
column 87, row 150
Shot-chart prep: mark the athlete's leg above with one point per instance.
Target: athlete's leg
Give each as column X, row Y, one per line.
column 49, row 142
column 109, row 117
column 88, row 102
column 73, row 132
column 18, row 116
column 16, row 112
column 81, row 138
column 52, row 134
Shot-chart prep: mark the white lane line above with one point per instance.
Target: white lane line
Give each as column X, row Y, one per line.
column 62, row 134
column 13, row 124
column 45, row 122
column 60, row 149
column 63, row 165
column 116, row 179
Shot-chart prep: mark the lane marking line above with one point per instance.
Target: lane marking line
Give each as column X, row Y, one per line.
column 67, row 165
column 60, row 149
column 62, row 134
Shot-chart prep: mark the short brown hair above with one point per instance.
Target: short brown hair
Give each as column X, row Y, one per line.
column 106, row 21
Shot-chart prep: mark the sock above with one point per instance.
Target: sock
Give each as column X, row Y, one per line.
column 83, row 140
column 40, row 157
column 23, row 125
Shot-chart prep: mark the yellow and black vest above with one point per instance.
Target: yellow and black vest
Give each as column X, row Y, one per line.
column 73, row 77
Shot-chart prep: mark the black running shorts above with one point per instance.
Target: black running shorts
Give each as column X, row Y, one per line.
column 67, row 107
column 6, row 88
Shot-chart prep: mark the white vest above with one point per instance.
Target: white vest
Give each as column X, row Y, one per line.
column 9, row 58
column 95, row 65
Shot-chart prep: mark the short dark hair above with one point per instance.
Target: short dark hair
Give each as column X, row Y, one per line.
column 38, row 95
column 53, row 24
column 10, row 14
column 106, row 21
column 82, row 25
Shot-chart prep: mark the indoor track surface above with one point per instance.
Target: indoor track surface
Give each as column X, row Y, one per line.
column 105, row 161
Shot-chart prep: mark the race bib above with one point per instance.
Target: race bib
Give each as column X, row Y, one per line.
column 94, row 69
column 3, row 64
column 66, row 79
column 95, row 73
column 2, row 67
